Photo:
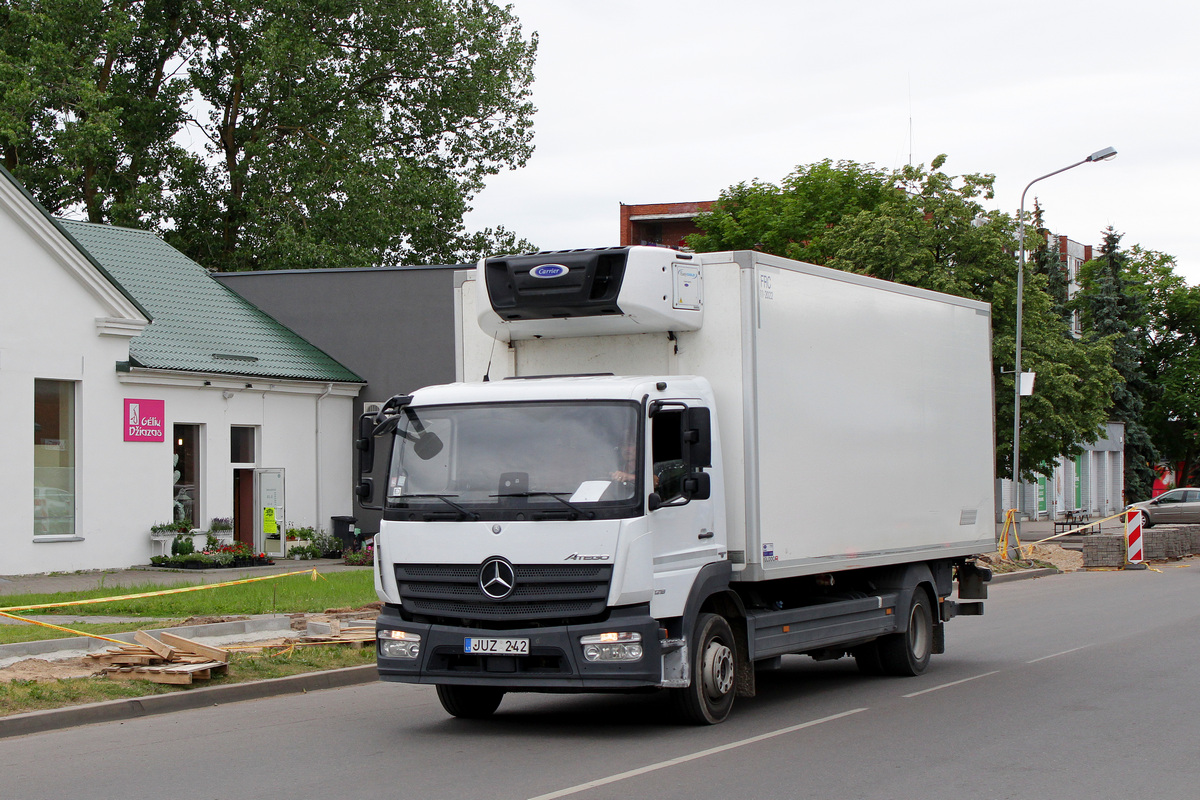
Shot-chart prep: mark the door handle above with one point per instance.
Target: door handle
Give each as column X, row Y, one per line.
column 706, row 535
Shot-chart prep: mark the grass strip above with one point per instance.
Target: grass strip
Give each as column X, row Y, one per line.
column 294, row 594
column 26, row 695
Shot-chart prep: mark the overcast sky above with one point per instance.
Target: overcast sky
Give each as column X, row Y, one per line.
column 646, row 101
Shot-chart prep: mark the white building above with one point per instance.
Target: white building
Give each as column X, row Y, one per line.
column 152, row 393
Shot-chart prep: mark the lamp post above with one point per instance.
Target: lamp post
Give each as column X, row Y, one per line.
column 1100, row 155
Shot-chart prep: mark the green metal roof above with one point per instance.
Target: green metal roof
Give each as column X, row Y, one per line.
column 199, row 324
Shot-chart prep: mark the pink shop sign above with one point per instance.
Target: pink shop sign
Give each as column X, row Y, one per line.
column 145, row 420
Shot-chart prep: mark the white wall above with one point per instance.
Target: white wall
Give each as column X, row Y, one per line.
column 63, row 320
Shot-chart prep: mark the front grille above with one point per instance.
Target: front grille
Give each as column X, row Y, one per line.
column 541, row 592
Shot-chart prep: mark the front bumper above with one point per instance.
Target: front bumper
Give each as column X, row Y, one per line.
column 555, row 661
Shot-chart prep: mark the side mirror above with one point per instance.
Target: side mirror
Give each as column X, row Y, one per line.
column 366, row 444
column 697, row 437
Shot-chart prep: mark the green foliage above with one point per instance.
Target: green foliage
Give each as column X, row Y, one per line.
column 327, row 545
column 182, row 545
column 361, row 558
column 1171, row 361
column 791, row 219
column 335, row 132
column 292, row 594
column 1113, row 307
column 923, row 227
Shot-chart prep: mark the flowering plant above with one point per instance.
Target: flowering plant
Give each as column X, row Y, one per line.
column 361, row 558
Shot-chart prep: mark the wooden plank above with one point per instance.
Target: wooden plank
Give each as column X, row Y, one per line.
column 194, row 668
column 180, row 643
column 164, row 651
column 177, row 679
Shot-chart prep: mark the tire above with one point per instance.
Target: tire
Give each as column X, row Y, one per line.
column 867, row 658
column 907, row 654
column 714, row 673
column 1147, row 523
column 470, row 702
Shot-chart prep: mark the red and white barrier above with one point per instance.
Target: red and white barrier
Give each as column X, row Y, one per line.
column 1133, row 537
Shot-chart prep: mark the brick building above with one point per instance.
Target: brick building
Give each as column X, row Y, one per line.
column 661, row 224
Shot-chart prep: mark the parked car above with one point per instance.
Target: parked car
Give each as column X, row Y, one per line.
column 1176, row 506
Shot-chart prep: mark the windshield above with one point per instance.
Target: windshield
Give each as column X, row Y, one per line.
column 517, row 461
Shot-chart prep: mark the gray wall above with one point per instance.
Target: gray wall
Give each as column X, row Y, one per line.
column 394, row 326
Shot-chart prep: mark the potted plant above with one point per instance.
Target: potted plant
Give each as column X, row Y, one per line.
column 221, row 528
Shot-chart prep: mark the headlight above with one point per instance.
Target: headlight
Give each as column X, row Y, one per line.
column 399, row 644
column 618, row 646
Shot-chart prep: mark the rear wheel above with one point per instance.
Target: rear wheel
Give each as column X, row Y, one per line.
column 908, row 653
column 470, row 702
column 714, row 673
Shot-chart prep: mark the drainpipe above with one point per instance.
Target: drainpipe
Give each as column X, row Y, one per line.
column 317, row 473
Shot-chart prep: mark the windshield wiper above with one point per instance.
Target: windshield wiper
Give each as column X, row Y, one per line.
column 445, row 498
column 556, row 495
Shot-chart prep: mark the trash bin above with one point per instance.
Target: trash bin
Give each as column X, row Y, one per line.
column 343, row 530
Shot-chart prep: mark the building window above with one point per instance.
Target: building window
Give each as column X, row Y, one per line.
column 241, row 444
column 53, row 458
column 186, row 490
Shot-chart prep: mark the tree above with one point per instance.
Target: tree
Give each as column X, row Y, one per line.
column 88, row 101
column 790, row 219
column 926, row 228
column 335, row 132
column 1114, row 310
column 1171, row 361
column 1046, row 261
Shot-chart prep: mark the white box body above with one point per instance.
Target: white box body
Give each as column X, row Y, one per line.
column 855, row 415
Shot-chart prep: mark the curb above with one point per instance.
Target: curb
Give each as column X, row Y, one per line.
column 115, row 710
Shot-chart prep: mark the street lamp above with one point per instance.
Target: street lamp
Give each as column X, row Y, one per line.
column 1106, row 154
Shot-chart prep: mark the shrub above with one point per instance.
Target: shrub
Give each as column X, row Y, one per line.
column 182, row 546
column 361, row 558
column 221, row 524
column 328, row 545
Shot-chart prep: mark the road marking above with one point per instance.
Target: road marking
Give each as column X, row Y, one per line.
column 953, row 683
column 691, row 757
column 1056, row 655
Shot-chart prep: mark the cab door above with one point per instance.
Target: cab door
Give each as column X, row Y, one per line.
column 682, row 509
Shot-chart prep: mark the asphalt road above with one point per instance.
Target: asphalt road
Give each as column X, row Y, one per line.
column 1074, row 686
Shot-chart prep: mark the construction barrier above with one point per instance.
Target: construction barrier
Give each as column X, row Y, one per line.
column 1133, row 537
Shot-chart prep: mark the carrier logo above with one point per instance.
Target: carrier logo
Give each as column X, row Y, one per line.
column 585, row 557
column 497, row 578
column 548, row 271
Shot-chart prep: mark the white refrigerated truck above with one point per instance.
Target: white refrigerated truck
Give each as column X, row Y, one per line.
column 671, row 469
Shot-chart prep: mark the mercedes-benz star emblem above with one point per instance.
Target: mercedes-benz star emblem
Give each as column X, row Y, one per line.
column 497, row 578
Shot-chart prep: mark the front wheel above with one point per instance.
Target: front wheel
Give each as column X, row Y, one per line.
column 470, row 702
column 709, row 698
column 908, row 653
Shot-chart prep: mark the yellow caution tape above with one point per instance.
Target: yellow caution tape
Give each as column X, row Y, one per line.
column 1077, row 530
column 200, row 588
column 61, row 628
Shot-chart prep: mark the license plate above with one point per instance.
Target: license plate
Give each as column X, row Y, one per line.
column 497, row 647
